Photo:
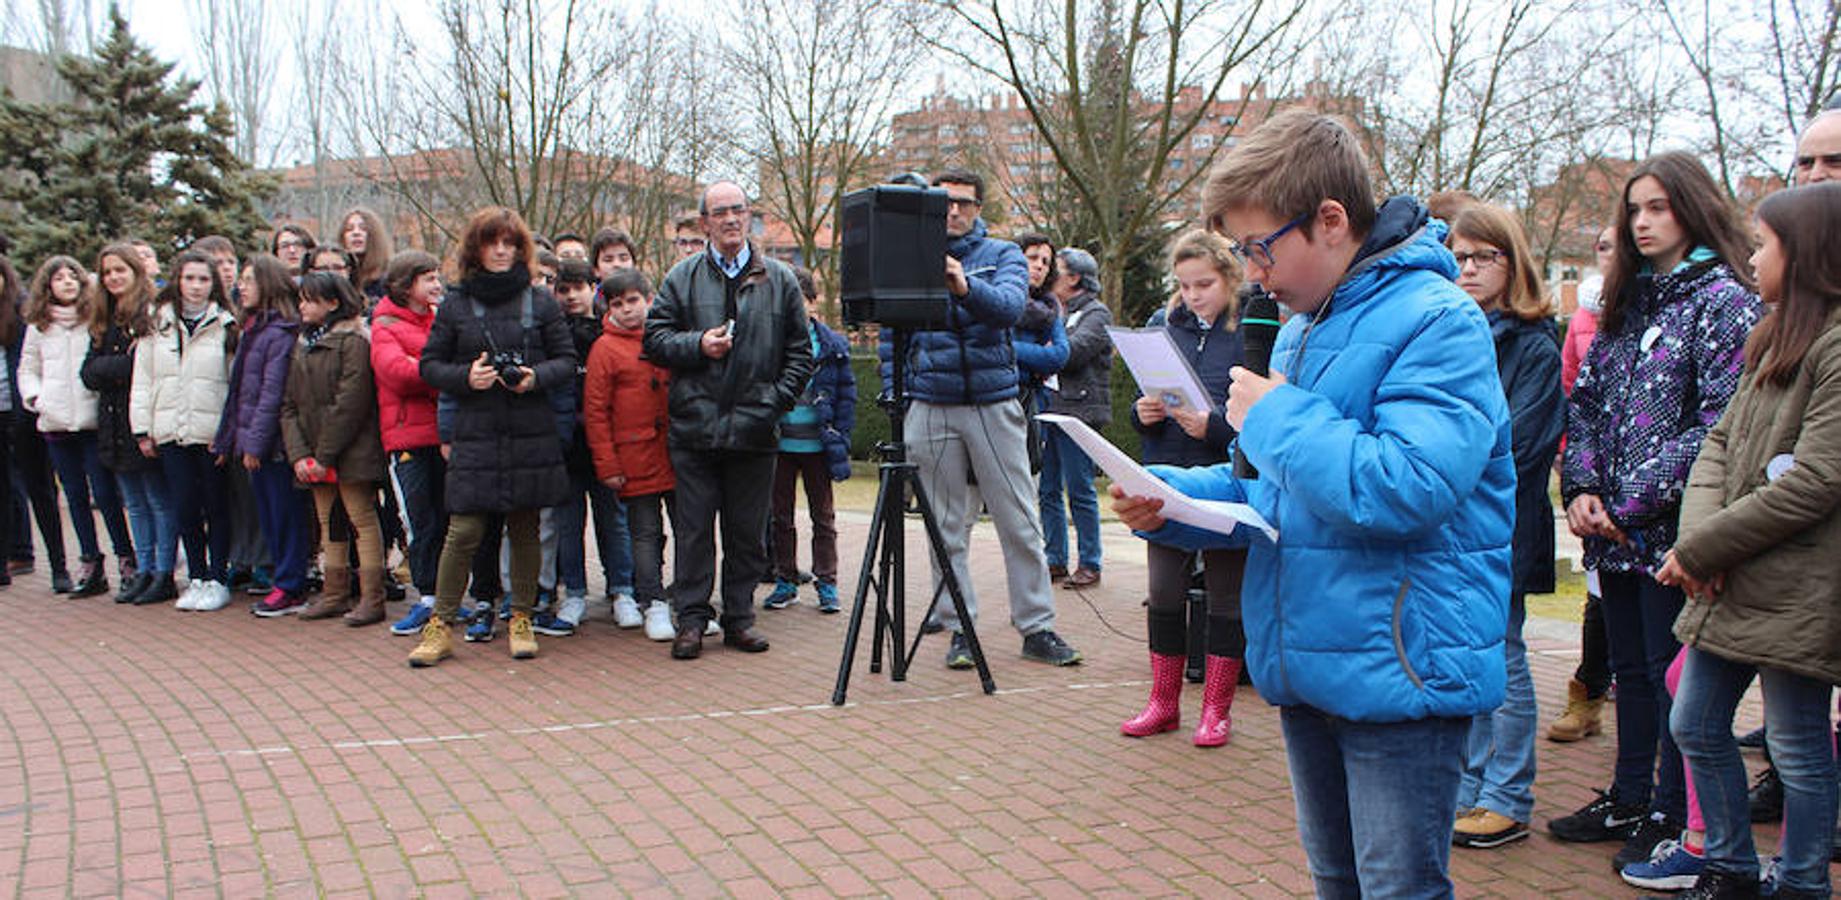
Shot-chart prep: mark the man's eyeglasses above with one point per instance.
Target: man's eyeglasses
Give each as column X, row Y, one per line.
column 1260, row 251
column 1483, row 258
column 689, row 242
column 964, row 202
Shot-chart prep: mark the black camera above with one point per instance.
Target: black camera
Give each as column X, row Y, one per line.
column 510, row 366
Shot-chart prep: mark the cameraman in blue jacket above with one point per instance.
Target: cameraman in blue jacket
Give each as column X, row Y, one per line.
column 1376, row 620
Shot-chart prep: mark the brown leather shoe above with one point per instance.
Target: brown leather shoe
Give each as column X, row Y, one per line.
column 1057, row 573
column 689, row 642
column 1083, row 577
column 746, row 640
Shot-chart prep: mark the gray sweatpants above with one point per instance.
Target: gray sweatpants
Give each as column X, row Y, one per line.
column 948, row 444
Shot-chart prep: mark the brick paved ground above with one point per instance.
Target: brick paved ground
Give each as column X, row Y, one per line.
column 149, row 752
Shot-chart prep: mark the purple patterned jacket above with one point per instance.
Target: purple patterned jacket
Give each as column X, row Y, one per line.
column 1645, row 399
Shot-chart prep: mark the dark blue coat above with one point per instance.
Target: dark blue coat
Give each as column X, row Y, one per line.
column 1528, row 359
column 258, row 381
column 1211, row 355
column 970, row 362
column 833, row 394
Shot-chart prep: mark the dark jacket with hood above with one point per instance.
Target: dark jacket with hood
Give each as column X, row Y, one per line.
column 258, row 383
column 331, row 408
column 506, row 454
column 1211, row 352
column 1085, row 382
column 971, row 361
column 1528, row 359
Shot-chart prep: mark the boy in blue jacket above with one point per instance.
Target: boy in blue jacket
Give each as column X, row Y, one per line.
column 1376, row 619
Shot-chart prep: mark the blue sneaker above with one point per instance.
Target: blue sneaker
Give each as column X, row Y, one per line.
column 546, row 601
column 482, row 628
column 547, row 623
column 505, row 607
column 1670, row 868
column 785, row 594
column 411, row 625
column 827, row 597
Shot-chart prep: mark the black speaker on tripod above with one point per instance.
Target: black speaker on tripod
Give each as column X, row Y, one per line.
column 893, row 273
column 892, row 270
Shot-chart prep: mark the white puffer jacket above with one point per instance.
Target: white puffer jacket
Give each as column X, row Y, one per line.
column 49, row 364
column 180, row 380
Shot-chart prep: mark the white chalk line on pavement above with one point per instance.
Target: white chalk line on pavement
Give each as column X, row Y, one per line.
column 631, row 721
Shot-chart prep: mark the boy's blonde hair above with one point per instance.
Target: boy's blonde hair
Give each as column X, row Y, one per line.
column 1287, row 166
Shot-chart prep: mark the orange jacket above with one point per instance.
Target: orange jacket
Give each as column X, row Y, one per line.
column 624, row 410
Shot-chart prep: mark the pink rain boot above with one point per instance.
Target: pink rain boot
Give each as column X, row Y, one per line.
column 1217, row 698
column 1164, row 712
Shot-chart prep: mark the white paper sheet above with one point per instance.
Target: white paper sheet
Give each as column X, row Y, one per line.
column 1160, row 369
column 1213, row 515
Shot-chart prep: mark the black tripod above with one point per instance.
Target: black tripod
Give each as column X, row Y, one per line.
column 886, row 572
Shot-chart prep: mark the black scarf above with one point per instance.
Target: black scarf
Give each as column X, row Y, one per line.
column 493, row 288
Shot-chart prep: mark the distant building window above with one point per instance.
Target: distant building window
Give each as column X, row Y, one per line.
column 947, row 131
column 1177, row 162
column 1230, row 119
column 1019, row 170
column 1202, row 141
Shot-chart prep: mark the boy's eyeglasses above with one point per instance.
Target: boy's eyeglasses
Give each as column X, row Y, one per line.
column 1260, row 251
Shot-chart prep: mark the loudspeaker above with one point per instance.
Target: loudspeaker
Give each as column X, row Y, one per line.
column 893, row 268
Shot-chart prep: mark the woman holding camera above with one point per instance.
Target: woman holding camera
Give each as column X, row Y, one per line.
column 498, row 346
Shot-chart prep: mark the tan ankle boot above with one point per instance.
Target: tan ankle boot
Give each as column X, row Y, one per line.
column 1580, row 720
column 334, row 599
column 370, row 609
column 437, row 644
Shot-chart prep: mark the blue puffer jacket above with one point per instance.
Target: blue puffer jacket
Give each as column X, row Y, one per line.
column 971, row 361
column 834, row 395
column 1387, row 466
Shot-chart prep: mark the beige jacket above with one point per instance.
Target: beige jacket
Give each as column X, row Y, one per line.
column 181, row 380
column 49, row 382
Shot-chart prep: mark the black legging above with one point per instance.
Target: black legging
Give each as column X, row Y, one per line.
column 1594, row 669
column 36, row 492
column 1170, row 574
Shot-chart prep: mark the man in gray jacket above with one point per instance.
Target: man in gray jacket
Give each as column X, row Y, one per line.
column 730, row 323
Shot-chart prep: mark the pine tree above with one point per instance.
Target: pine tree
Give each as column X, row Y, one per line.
column 131, row 155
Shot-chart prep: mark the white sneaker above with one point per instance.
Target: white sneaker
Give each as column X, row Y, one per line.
column 626, row 612
column 212, row 596
column 188, row 598
column 658, row 622
column 711, row 629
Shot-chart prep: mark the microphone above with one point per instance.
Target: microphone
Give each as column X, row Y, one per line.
column 1259, row 327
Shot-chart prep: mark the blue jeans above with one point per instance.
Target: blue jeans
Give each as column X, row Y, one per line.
column 283, row 515
column 1064, row 464
column 646, row 516
column 1639, row 621
column 1499, row 774
column 200, row 508
column 1802, row 749
column 1375, row 801
column 150, row 518
column 88, row 489
column 613, row 538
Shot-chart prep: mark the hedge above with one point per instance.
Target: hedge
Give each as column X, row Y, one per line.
column 873, row 423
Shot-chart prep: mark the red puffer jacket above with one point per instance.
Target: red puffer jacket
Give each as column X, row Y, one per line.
column 625, row 410
column 405, row 403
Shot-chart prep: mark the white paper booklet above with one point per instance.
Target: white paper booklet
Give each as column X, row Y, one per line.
column 1214, row 515
column 1160, row 369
